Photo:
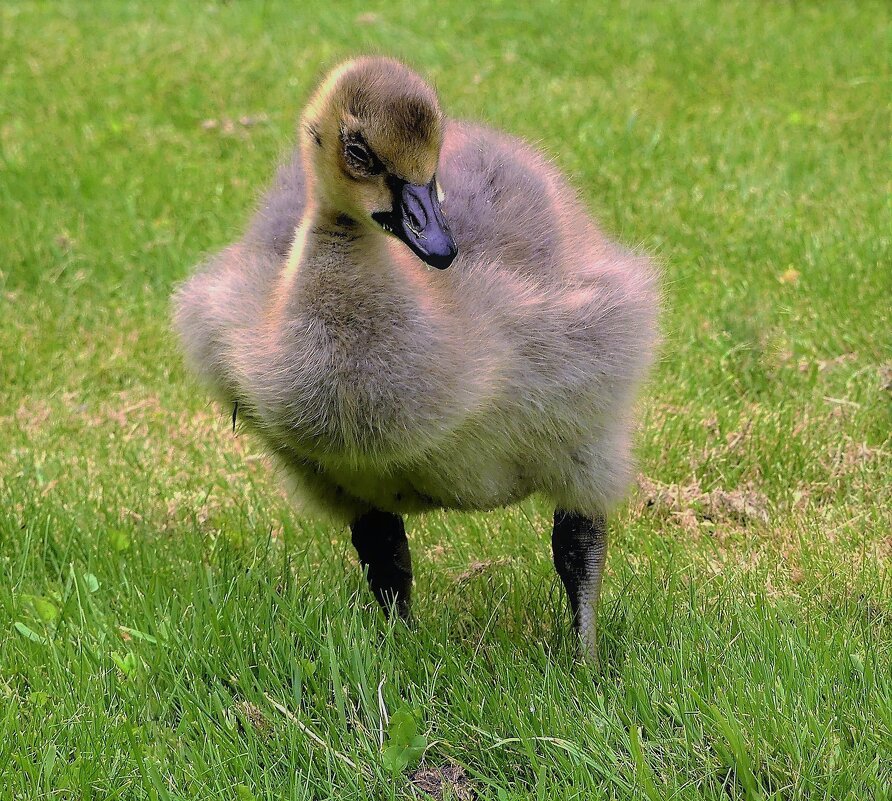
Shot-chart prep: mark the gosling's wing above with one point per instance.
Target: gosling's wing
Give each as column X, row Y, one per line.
column 521, row 229
column 228, row 293
column 219, row 308
column 503, row 199
column 279, row 211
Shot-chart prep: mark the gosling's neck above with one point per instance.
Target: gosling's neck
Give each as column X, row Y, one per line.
column 334, row 259
column 324, row 232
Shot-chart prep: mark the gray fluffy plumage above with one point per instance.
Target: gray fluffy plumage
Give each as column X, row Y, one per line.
column 380, row 383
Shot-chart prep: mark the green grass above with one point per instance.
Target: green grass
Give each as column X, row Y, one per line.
column 159, row 598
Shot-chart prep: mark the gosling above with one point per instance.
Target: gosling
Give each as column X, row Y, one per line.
column 385, row 387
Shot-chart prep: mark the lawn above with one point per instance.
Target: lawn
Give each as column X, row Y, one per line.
column 171, row 629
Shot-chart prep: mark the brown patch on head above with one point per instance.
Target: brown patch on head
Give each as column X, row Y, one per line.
column 376, row 105
column 395, row 111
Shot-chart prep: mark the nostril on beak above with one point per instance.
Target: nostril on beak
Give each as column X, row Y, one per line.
column 413, row 222
column 414, row 213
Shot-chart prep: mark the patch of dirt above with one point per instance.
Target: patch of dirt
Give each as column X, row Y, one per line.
column 446, row 782
column 849, row 457
column 64, row 242
column 742, row 505
column 690, row 505
column 253, row 715
column 435, row 552
column 476, row 568
column 789, row 276
column 230, row 127
column 31, row 417
column 805, row 365
column 736, row 438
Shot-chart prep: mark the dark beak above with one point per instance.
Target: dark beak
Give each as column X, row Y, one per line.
column 417, row 219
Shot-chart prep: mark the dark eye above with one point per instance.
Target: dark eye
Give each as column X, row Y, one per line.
column 357, row 153
column 360, row 159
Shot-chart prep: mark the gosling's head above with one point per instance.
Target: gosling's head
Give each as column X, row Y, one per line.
column 371, row 136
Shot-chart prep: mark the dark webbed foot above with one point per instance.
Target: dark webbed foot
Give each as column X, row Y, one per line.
column 579, row 546
column 380, row 540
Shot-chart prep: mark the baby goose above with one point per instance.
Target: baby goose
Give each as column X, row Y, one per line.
column 385, row 387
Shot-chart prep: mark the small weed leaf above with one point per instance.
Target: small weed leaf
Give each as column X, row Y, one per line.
column 119, row 539
column 399, row 757
column 126, row 663
column 403, row 724
column 307, row 667
column 404, row 745
column 91, row 582
column 38, row 699
column 29, row 633
column 46, row 610
column 395, row 759
column 243, row 793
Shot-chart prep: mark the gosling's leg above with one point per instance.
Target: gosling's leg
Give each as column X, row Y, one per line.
column 579, row 546
column 380, row 540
